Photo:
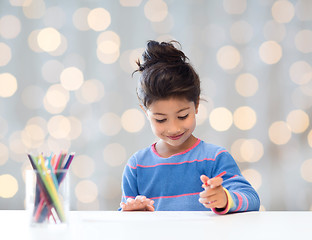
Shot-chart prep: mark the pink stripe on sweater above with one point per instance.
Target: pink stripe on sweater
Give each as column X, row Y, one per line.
column 246, row 201
column 128, row 197
column 178, row 163
column 219, row 153
column 240, row 201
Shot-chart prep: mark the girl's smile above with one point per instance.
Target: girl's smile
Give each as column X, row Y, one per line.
column 176, row 137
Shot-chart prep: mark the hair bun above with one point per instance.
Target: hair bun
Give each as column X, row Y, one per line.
column 164, row 52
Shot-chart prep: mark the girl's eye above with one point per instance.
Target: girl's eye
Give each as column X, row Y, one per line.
column 160, row 120
column 183, row 117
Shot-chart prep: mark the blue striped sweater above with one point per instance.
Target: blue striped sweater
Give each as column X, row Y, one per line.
column 174, row 183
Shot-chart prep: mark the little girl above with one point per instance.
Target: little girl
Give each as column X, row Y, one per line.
column 179, row 172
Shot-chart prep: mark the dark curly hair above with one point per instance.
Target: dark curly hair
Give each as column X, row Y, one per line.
column 165, row 73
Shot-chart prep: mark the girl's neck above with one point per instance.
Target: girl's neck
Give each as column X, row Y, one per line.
column 166, row 150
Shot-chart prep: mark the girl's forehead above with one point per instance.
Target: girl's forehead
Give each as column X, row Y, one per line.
column 170, row 104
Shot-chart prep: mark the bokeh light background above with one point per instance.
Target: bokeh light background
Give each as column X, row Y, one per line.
column 65, row 84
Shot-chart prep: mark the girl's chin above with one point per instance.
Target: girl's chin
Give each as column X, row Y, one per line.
column 176, row 143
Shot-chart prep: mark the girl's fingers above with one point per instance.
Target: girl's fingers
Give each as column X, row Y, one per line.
column 150, row 208
column 209, row 192
column 204, row 179
column 140, row 198
column 211, row 182
column 208, row 200
column 124, row 206
column 139, row 203
column 217, row 200
column 211, row 205
column 215, row 182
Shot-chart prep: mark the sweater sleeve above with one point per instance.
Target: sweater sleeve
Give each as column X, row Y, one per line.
column 241, row 195
column 129, row 180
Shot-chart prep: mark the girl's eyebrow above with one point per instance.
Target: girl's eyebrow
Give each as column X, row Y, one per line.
column 181, row 110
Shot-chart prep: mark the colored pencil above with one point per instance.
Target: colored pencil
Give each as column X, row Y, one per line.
column 47, row 202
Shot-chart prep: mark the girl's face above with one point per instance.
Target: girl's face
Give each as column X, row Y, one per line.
column 173, row 121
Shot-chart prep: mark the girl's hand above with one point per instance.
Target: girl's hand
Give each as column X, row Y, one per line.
column 140, row 203
column 214, row 195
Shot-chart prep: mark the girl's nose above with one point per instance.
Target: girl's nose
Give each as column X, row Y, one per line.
column 173, row 128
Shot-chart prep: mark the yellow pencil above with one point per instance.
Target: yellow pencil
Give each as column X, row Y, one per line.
column 52, row 190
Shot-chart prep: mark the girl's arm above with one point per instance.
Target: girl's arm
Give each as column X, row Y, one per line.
column 131, row 201
column 241, row 196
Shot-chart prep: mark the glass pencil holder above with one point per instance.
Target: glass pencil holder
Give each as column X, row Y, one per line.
column 47, row 197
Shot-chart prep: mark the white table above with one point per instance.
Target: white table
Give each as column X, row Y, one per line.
column 107, row 225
